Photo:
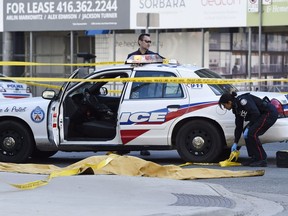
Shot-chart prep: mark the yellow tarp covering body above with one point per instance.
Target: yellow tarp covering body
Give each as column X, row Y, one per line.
column 120, row 165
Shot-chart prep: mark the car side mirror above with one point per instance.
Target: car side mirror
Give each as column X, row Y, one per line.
column 103, row 91
column 48, row 94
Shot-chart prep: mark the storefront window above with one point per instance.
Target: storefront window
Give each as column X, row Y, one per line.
column 240, row 41
column 220, row 62
column 219, row 41
column 277, row 42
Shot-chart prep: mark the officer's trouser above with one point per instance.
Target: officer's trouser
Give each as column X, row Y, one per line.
column 258, row 128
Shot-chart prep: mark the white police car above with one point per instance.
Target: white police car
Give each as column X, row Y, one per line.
column 149, row 113
column 10, row 89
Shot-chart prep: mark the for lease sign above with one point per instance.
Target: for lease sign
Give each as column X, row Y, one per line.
column 53, row 15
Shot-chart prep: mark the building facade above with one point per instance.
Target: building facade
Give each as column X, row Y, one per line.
column 222, row 35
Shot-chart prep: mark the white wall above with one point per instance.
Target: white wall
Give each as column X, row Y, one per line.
column 186, row 47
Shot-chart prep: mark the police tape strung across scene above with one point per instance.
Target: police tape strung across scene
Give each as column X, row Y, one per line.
column 147, row 80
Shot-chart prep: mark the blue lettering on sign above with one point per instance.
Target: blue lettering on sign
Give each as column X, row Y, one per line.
column 140, row 117
column 37, row 115
column 17, row 86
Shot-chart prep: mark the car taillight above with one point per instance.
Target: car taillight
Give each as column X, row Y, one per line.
column 285, row 109
column 28, row 90
column 278, row 106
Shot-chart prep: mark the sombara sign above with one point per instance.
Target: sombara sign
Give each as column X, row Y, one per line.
column 53, row 15
column 1, row 17
column 191, row 13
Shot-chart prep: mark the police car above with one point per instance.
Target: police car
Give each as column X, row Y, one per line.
column 10, row 89
column 128, row 107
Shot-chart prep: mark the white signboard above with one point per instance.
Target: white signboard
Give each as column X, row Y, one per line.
column 55, row 15
column 253, row 6
column 266, row 2
column 191, row 13
column 1, row 16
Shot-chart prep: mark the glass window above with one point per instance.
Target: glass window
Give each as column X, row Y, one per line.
column 218, row 89
column 238, row 60
column 277, row 42
column 255, row 42
column 240, row 41
column 142, row 90
column 220, row 62
column 219, row 41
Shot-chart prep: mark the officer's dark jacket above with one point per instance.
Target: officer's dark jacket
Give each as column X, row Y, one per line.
column 247, row 107
column 137, row 52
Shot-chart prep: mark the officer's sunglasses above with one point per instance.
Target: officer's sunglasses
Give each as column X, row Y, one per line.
column 147, row 41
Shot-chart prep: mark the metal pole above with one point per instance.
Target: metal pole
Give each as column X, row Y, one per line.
column 203, row 47
column 157, row 40
column 71, row 50
column 114, row 59
column 249, row 56
column 147, row 23
column 31, row 68
column 31, row 53
column 260, row 40
column 114, row 46
column 7, row 52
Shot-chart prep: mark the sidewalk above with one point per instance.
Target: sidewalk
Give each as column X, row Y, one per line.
column 121, row 195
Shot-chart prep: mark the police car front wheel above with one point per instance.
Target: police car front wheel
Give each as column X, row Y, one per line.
column 16, row 142
column 199, row 141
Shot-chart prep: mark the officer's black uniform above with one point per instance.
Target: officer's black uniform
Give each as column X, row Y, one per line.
column 137, row 52
column 261, row 115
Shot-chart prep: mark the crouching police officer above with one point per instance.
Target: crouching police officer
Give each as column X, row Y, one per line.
column 261, row 115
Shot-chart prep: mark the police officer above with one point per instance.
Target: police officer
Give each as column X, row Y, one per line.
column 144, row 42
column 260, row 114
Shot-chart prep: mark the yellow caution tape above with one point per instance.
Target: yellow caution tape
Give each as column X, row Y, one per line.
column 145, row 80
column 41, row 85
column 19, row 63
column 229, row 162
column 200, row 164
column 59, row 87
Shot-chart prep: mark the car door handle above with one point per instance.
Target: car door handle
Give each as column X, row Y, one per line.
column 173, row 108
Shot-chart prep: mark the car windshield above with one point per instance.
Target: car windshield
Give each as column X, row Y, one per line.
column 78, row 74
column 218, row 89
column 5, row 80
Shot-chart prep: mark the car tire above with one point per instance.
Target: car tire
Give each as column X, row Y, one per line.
column 199, row 141
column 16, row 142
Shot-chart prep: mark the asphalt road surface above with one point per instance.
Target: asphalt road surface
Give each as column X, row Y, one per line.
column 272, row 186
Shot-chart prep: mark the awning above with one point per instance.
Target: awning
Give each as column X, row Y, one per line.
column 95, row 32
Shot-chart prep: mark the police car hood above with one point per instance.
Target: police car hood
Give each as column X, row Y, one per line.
column 281, row 97
column 39, row 101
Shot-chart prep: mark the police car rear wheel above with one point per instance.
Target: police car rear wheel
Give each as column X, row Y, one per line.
column 16, row 142
column 199, row 141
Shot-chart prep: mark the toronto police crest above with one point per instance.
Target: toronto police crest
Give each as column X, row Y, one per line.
column 37, row 115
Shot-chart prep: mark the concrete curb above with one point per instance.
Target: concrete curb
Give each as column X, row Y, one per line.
column 122, row 195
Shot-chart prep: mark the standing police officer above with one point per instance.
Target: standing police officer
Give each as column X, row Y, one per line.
column 261, row 115
column 144, row 42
